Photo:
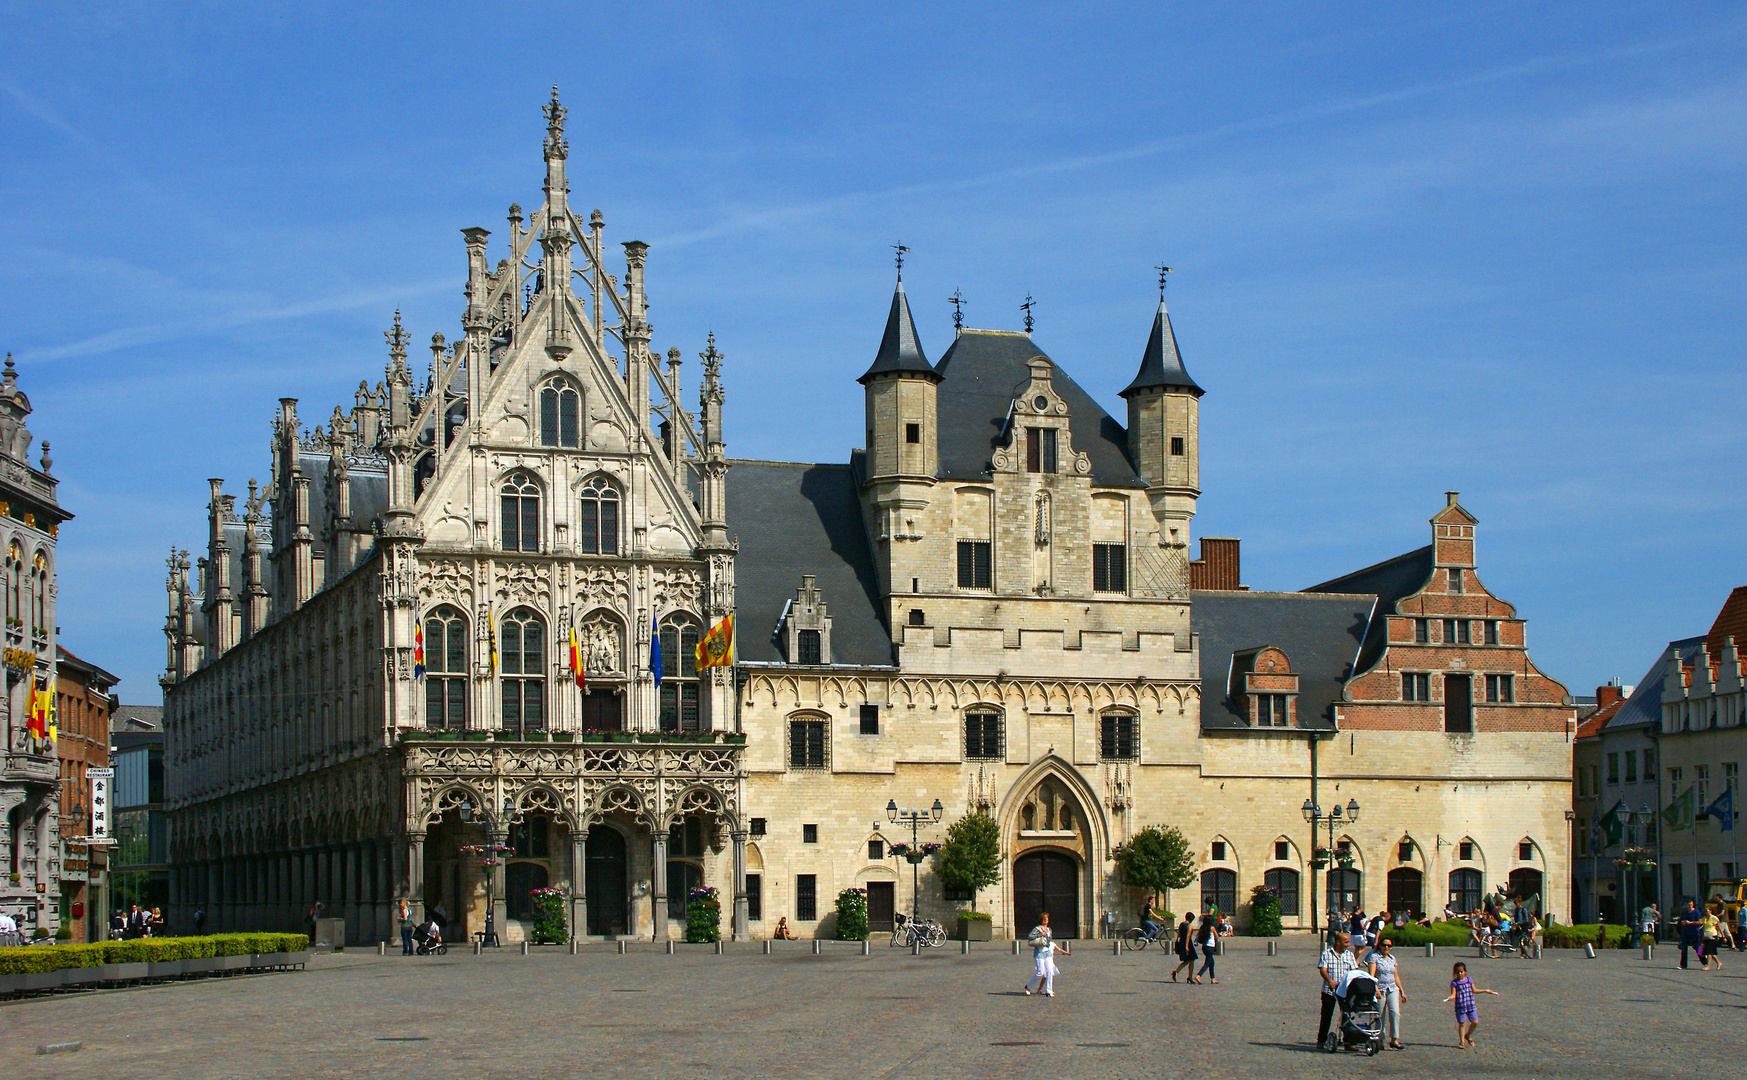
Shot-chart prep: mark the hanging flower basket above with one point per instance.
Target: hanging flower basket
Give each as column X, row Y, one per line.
column 914, row 855
column 1318, row 864
column 1345, row 861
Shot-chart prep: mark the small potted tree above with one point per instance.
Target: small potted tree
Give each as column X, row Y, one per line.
column 971, row 860
column 1157, row 859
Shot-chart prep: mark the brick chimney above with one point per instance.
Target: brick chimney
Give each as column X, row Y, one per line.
column 1217, row 568
column 1607, row 695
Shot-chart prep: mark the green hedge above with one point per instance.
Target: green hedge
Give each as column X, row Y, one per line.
column 1454, row 933
column 35, row 958
column 1576, row 937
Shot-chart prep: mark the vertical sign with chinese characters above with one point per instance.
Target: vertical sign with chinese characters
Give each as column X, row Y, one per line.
column 99, row 801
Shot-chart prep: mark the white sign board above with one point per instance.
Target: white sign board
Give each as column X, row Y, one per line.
column 99, row 802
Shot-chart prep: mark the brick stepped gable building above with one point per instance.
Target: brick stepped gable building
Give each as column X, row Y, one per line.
column 30, row 521
column 991, row 603
column 520, row 494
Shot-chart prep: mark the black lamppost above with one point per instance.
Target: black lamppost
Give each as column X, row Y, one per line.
column 491, row 856
column 1314, row 816
column 915, row 818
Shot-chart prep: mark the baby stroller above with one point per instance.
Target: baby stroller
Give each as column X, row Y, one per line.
column 428, row 940
column 1361, row 1016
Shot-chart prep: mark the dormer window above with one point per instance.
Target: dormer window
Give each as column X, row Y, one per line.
column 1040, row 450
column 807, row 647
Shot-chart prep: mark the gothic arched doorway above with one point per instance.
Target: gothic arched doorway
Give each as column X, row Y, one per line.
column 607, row 882
column 1046, row 881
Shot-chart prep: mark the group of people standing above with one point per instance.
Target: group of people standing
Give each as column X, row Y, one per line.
column 137, row 922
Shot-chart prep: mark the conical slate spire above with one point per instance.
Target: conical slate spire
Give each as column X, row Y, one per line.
column 1161, row 368
column 899, row 350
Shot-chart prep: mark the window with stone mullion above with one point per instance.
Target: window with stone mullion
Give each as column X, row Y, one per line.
column 679, row 685
column 445, row 670
column 522, row 640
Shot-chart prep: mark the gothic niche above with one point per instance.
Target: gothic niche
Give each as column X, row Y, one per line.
column 1051, row 817
column 602, row 639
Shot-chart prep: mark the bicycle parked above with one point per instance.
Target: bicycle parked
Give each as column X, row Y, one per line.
column 924, row 932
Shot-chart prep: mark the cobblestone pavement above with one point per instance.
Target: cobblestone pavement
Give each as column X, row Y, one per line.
column 793, row 1014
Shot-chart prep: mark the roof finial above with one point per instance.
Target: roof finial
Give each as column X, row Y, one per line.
column 1026, row 307
column 900, row 249
column 396, row 338
column 957, row 300
column 556, row 144
column 1163, row 270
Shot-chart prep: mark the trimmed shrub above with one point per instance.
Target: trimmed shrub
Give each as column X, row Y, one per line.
column 34, row 958
column 1264, row 912
column 1576, row 937
column 703, row 915
column 549, row 925
column 852, row 915
column 1451, row 933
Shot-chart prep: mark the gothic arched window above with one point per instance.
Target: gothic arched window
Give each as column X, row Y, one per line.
column 15, row 584
column 521, row 513
column 445, row 669
column 679, row 674
column 522, row 649
column 40, row 585
column 560, row 414
column 598, row 531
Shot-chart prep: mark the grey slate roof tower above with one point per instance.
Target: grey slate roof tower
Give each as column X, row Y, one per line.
column 1161, row 366
column 900, row 351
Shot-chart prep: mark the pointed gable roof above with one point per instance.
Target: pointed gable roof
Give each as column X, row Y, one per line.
column 1161, row 367
column 900, row 351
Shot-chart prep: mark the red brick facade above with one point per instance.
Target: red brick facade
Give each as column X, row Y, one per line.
column 1448, row 635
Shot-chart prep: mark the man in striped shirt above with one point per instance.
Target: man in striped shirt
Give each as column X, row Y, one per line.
column 1337, row 959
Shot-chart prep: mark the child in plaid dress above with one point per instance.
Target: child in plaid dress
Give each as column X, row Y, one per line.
column 1462, row 991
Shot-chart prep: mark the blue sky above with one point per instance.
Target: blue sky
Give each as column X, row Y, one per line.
column 1495, row 248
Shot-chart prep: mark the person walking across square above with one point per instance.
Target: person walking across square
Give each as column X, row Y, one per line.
column 1383, row 968
column 1336, row 961
column 1462, row 991
column 1184, row 950
column 1043, row 950
column 1691, row 926
column 405, row 928
column 1208, row 938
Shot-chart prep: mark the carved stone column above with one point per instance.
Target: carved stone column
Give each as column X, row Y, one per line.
column 658, row 921
column 415, row 875
column 578, row 884
column 499, row 901
column 742, row 928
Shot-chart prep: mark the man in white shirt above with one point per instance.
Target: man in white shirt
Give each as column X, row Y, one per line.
column 1336, row 960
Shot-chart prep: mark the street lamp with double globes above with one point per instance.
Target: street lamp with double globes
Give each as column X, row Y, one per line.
column 1314, row 816
column 915, row 818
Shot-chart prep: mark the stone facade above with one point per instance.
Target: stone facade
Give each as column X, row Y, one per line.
column 30, row 520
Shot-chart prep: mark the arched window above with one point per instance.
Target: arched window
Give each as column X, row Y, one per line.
column 679, row 674
column 521, row 513
column 1465, row 890
column 40, row 585
column 422, row 470
column 445, row 669
column 1285, row 882
column 522, row 653
column 1219, row 891
column 598, row 531
column 15, row 584
column 560, row 414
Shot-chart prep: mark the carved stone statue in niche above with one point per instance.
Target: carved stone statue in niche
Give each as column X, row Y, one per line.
column 603, row 647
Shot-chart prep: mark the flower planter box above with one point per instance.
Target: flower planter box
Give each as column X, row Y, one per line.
column 476, row 736
column 976, row 929
column 233, row 963
column 164, row 969
column 124, row 972
column 33, row 981
column 201, row 965
column 563, row 736
column 81, row 976
column 277, row 959
column 734, row 740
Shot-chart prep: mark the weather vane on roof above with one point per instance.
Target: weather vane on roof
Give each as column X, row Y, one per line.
column 900, row 249
column 1026, row 307
column 957, row 300
column 1163, row 270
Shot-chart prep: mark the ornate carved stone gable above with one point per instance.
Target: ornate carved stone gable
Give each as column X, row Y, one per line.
column 521, row 582
column 446, row 581
column 676, row 587
column 600, row 585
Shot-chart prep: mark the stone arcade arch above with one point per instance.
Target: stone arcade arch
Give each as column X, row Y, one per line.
column 1056, row 837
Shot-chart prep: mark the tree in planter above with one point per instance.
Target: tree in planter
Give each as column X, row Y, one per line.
column 852, row 915
column 1157, row 859
column 549, row 925
column 703, row 915
column 971, row 858
column 1264, row 912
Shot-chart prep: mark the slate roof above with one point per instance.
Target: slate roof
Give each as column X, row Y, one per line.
column 1389, row 581
column 899, row 348
column 1319, row 632
column 792, row 519
column 982, row 372
column 1644, row 707
column 1161, row 366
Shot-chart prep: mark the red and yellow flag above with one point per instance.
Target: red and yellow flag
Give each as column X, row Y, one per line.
column 418, row 650
column 576, row 661
column 717, row 647
column 41, row 723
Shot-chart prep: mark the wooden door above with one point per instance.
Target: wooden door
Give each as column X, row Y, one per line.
column 608, row 889
column 1046, row 881
column 881, row 905
column 603, row 710
column 1459, row 703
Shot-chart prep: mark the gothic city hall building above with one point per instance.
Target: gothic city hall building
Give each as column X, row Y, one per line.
column 372, row 692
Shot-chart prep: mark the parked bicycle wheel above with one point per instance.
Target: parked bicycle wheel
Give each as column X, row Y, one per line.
column 1135, row 939
column 936, row 936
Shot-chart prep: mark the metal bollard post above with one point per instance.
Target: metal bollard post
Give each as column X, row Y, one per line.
column 382, row 948
column 864, row 948
column 718, row 948
column 573, row 946
column 1589, row 950
column 1116, row 947
column 621, row 948
column 915, row 948
column 476, row 944
column 670, row 947
column 1431, row 948
column 964, row 948
column 818, row 947
column 1649, row 950
column 767, row 946
column 524, row 948
column 1015, row 946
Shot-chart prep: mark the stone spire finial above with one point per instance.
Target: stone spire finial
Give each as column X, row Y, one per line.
column 397, row 338
column 48, row 463
column 9, row 381
column 556, row 145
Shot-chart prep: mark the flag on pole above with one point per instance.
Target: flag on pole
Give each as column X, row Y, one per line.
column 35, row 725
column 1722, row 809
column 717, row 648
column 655, row 658
column 1678, row 814
column 418, row 650
column 576, row 661
column 1613, row 830
column 51, row 712
column 491, row 639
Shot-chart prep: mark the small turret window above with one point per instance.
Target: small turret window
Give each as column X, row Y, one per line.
column 1176, row 446
column 912, row 433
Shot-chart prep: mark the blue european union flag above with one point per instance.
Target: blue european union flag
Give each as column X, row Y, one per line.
column 655, row 658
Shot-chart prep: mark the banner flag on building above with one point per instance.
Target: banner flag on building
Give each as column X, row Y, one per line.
column 491, row 640
column 576, row 661
column 418, row 650
column 99, row 801
column 717, row 648
column 51, row 712
column 1678, row 814
column 1722, row 809
column 1613, row 830
column 655, row 658
column 40, row 722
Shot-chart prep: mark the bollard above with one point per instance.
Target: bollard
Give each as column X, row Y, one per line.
column 767, row 946
column 1116, row 948
column 718, row 947
column 1649, row 951
column 670, row 947
column 915, row 948
column 382, row 948
column 573, row 946
column 621, row 948
column 524, row 948
column 1015, row 946
column 476, row 944
column 1273, row 948
column 865, row 951
column 1431, row 948
column 1589, row 950
column 818, row 947
column 964, row 948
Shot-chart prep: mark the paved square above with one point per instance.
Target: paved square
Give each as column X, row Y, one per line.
column 792, row 1014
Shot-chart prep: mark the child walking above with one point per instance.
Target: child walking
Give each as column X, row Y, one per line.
column 1462, row 991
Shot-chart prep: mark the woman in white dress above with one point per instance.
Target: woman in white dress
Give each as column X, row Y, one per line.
column 1043, row 950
